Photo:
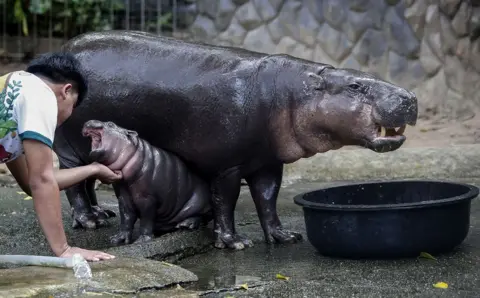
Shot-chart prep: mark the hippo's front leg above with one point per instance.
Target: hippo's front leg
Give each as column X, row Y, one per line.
column 264, row 186
column 148, row 211
column 100, row 213
column 128, row 217
column 225, row 192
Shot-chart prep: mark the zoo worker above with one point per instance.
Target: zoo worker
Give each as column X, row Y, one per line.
column 33, row 103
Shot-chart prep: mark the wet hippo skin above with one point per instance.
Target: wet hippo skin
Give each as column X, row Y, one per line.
column 157, row 187
column 229, row 114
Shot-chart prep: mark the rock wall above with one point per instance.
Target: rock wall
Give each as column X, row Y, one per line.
column 429, row 46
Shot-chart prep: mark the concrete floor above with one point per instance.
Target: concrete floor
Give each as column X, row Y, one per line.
column 221, row 272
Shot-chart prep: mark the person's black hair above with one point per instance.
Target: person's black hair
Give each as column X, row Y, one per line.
column 60, row 68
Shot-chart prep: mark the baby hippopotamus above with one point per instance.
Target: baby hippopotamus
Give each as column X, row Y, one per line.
column 157, row 187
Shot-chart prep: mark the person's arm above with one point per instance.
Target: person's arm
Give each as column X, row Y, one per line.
column 45, row 193
column 46, row 200
column 65, row 178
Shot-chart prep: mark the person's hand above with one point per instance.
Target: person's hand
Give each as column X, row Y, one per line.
column 89, row 255
column 105, row 175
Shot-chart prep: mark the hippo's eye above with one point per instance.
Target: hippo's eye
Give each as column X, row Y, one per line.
column 354, row 86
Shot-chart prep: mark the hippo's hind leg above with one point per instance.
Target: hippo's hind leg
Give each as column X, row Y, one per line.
column 225, row 192
column 264, row 186
column 197, row 210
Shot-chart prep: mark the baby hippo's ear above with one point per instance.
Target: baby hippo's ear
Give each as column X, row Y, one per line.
column 132, row 134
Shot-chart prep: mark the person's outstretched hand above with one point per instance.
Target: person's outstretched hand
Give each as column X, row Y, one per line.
column 89, row 255
column 105, row 175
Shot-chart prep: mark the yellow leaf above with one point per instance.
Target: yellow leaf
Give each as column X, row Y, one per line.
column 167, row 264
column 441, row 285
column 244, row 286
column 280, row 276
column 28, row 198
column 426, row 255
column 179, row 287
column 21, row 193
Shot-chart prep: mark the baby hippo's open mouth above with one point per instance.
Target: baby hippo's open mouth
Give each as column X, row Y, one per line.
column 95, row 135
column 94, row 130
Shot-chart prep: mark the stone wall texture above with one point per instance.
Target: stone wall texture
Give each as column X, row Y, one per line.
column 429, row 46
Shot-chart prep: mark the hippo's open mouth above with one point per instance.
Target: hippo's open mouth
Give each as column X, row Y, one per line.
column 386, row 138
column 390, row 133
column 96, row 136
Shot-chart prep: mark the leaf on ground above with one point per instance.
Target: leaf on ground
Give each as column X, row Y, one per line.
column 280, row 276
column 244, row 286
column 166, row 264
column 441, row 285
column 426, row 255
column 179, row 287
column 26, row 198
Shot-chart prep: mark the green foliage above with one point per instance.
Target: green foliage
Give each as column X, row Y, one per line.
column 69, row 17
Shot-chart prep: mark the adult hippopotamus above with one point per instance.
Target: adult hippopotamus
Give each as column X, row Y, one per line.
column 157, row 187
column 229, row 113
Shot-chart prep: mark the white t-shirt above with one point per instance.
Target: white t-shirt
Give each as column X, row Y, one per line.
column 28, row 110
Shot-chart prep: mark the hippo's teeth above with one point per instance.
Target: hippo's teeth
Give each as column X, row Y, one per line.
column 401, row 130
column 383, row 131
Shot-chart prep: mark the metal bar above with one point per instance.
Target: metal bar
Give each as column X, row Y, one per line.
column 35, row 39
column 127, row 14
column 159, row 14
column 142, row 15
column 65, row 22
column 4, row 37
column 112, row 15
column 174, row 16
column 19, row 42
column 50, row 27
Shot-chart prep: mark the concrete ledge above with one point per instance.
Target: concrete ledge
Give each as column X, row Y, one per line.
column 118, row 276
column 362, row 164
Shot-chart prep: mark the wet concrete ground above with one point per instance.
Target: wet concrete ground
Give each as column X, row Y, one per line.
column 221, row 272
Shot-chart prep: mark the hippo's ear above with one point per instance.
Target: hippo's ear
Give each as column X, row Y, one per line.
column 316, row 80
column 132, row 134
column 316, row 77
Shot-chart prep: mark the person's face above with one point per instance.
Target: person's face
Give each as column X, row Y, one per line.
column 67, row 99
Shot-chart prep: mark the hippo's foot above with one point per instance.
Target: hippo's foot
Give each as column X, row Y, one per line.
column 102, row 213
column 143, row 239
column 235, row 241
column 191, row 223
column 124, row 237
column 280, row 235
column 96, row 219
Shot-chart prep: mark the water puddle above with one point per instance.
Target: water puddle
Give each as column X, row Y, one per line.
column 224, row 269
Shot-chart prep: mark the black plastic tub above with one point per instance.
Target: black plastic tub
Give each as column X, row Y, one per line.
column 387, row 219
